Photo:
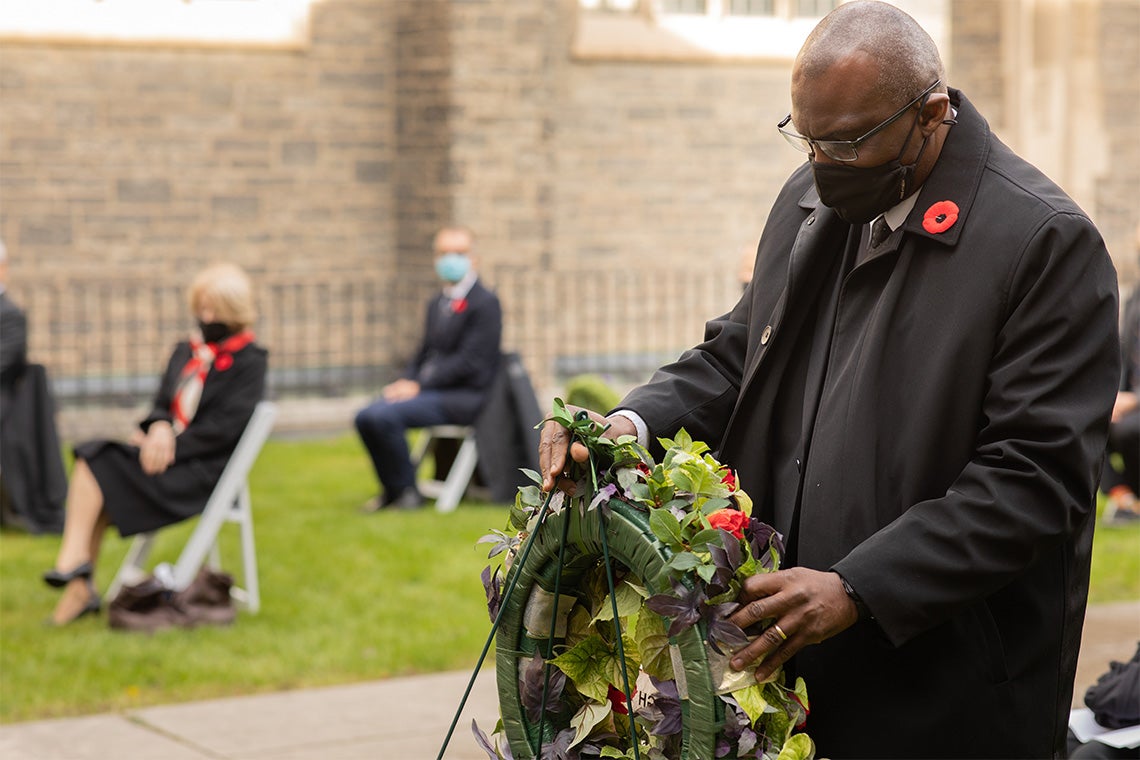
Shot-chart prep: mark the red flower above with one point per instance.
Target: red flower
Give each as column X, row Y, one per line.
column 729, row 480
column 617, row 699
column 732, row 520
column 940, row 217
column 643, row 468
column 224, row 362
column 459, row 305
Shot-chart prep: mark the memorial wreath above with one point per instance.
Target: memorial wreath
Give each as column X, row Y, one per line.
column 611, row 607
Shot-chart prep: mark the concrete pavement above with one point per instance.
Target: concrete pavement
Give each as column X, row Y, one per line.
column 396, row 719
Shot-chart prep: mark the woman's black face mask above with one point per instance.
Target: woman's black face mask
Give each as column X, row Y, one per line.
column 859, row 194
column 214, row 332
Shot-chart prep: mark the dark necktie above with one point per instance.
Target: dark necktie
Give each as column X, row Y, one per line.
column 880, row 230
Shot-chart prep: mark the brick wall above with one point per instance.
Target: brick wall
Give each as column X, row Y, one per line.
column 332, row 165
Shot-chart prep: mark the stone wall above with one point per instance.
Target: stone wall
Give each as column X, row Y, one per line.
column 587, row 178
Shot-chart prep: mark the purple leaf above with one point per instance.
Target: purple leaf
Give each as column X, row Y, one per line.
column 663, row 712
column 492, row 584
column 761, row 537
column 723, row 631
column 483, row 742
column 604, row 494
column 559, row 749
column 684, row 609
column 534, row 682
column 747, row 742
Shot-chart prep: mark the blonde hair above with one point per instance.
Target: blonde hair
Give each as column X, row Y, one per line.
column 228, row 288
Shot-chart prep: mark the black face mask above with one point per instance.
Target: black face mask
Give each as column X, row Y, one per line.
column 214, row 332
column 859, row 194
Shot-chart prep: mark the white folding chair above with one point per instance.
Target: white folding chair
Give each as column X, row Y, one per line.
column 228, row 503
column 447, row 493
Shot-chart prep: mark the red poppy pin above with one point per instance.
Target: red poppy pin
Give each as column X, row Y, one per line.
column 940, row 217
column 459, row 305
column 223, row 362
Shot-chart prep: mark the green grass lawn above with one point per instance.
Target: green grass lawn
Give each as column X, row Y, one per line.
column 345, row 597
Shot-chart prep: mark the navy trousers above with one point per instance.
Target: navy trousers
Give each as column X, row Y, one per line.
column 383, row 428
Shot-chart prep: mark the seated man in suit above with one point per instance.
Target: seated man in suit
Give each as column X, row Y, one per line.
column 448, row 378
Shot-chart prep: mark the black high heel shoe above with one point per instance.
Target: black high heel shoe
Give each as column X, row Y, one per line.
column 56, row 579
column 93, row 607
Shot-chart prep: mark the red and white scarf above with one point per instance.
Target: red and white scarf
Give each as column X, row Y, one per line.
column 203, row 356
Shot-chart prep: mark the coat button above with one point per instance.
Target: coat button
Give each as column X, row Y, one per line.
column 766, row 335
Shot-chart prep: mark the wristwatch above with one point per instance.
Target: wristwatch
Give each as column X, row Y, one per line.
column 860, row 606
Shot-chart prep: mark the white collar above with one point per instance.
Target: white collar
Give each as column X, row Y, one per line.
column 462, row 288
column 897, row 214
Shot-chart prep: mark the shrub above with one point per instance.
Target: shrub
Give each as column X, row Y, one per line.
column 591, row 392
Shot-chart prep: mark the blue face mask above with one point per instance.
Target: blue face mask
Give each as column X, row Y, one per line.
column 452, row 267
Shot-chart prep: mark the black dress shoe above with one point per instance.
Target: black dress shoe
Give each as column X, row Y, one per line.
column 56, row 579
column 409, row 498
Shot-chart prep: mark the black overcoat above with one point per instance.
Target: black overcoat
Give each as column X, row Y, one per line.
column 953, row 460
column 137, row 502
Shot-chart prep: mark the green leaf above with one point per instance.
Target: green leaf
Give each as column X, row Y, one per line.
column 628, row 603
column 653, row 645
column 681, row 479
column 713, row 505
column 531, row 475
column 530, row 496
column 627, row 477
column 751, row 700
column 801, row 692
column 579, row 625
column 666, row 527
column 706, row 572
column 683, row 561
column 743, row 501
column 589, row 665
column 703, row 538
column 641, row 492
column 797, row 747
column 587, row 717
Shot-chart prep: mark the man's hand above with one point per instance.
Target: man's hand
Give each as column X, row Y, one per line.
column 156, row 452
column 401, row 390
column 554, row 442
column 808, row 606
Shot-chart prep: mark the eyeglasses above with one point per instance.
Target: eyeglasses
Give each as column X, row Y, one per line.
column 844, row 150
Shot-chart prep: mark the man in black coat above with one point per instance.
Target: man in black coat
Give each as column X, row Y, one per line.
column 446, row 381
column 33, row 484
column 918, row 405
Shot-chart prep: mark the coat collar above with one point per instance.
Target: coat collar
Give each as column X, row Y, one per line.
column 956, row 175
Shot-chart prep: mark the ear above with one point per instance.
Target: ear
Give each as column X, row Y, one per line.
column 934, row 112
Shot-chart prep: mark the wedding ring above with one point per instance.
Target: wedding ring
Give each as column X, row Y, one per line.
column 780, row 632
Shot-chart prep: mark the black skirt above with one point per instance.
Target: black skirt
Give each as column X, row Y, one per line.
column 139, row 503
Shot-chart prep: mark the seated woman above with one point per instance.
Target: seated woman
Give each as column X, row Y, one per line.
column 168, row 469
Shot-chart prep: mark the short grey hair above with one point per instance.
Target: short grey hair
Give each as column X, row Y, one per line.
column 908, row 58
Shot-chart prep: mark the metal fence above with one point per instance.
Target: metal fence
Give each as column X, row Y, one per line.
column 105, row 342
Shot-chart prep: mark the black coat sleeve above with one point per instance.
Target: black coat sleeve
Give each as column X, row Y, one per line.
column 13, row 338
